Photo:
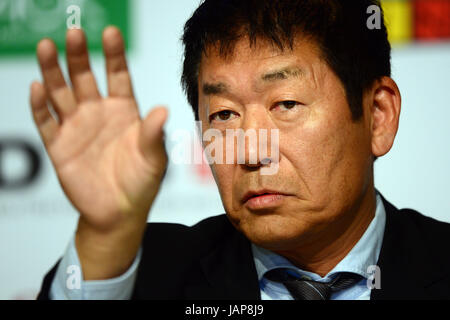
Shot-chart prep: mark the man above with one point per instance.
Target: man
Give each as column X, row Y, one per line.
column 310, row 70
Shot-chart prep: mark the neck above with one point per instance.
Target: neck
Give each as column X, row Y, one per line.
column 327, row 249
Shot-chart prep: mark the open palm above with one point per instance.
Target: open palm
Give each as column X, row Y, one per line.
column 109, row 161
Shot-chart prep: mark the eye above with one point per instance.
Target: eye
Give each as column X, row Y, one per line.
column 286, row 105
column 222, row 116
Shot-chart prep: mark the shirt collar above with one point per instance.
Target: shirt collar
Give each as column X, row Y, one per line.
column 364, row 254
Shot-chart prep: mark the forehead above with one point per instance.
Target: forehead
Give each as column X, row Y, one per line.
column 257, row 60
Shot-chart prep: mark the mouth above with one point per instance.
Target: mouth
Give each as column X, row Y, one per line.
column 263, row 199
column 253, row 194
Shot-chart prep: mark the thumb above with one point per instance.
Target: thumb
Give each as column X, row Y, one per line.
column 151, row 140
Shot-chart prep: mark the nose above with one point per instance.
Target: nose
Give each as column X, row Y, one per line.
column 257, row 140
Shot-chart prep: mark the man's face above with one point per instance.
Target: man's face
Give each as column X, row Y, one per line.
column 325, row 164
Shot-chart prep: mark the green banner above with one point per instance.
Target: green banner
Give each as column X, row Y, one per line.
column 24, row 22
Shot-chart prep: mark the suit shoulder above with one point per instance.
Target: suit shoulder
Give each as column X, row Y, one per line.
column 426, row 225
column 207, row 231
column 214, row 223
column 426, row 233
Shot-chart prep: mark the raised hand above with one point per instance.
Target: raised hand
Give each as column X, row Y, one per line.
column 109, row 161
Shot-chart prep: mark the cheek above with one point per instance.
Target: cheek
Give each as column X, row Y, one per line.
column 325, row 153
column 224, row 179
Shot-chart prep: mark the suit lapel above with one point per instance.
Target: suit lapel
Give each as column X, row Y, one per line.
column 404, row 259
column 229, row 272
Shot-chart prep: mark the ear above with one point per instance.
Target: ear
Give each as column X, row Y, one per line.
column 385, row 105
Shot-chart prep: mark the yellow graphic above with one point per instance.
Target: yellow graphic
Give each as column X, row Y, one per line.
column 399, row 20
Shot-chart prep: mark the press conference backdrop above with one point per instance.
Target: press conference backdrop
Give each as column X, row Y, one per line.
column 36, row 220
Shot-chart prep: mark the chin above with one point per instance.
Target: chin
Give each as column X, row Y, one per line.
column 274, row 232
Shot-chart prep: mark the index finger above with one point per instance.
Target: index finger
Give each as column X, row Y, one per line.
column 119, row 80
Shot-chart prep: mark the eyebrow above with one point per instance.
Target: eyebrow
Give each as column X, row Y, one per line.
column 214, row 88
column 282, row 74
column 272, row 76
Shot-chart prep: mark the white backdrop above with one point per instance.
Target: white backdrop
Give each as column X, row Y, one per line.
column 37, row 222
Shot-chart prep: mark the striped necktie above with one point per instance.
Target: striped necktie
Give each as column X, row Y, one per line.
column 302, row 289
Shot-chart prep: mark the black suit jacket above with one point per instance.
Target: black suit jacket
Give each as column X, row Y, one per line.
column 212, row 260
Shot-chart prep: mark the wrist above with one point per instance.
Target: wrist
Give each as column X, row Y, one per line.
column 106, row 255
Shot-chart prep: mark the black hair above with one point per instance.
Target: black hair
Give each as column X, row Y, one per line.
column 358, row 53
